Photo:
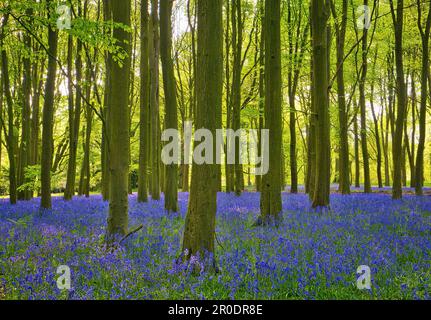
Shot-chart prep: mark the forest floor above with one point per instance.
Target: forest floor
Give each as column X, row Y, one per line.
column 311, row 255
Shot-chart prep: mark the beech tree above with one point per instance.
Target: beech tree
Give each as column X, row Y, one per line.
column 48, row 114
column 144, row 106
column 119, row 126
column 270, row 200
column 169, row 84
column 319, row 18
column 199, row 231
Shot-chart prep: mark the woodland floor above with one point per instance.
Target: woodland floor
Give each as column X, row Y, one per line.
column 311, row 255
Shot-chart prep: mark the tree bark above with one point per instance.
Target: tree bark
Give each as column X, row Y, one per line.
column 144, row 106
column 10, row 139
column 105, row 155
column 363, row 114
column 48, row 117
column 270, row 199
column 199, row 232
column 397, row 147
column 26, row 120
column 119, row 128
column 74, row 121
column 344, row 170
column 154, row 103
column 237, row 39
column 425, row 74
column 319, row 17
column 169, row 84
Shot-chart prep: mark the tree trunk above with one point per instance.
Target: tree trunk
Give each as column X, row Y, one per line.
column 397, row 147
column 48, row 118
column 270, row 199
column 105, row 155
column 11, row 135
column 199, row 232
column 425, row 74
column 362, row 105
column 169, row 85
column 119, row 128
column 261, row 89
column 26, row 121
column 319, row 19
column 237, row 39
column 296, row 52
column 378, row 145
column 344, row 170
column 74, row 122
column 144, row 106
column 87, row 138
column 154, row 103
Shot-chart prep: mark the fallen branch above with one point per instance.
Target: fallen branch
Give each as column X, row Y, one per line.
column 131, row 232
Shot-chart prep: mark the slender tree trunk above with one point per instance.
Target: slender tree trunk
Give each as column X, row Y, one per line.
column 74, row 119
column 397, row 147
column 87, row 137
column 270, row 199
column 296, row 52
column 119, row 128
column 357, row 167
column 144, row 106
column 67, row 194
column 229, row 169
column 237, row 39
column 199, row 232
column 362, row 105
column 311, row 154
column 154, row 103
column 105, row 155
column 385, row 138
column 261, row 88
column 377, row 137
column 319, row 18
column 11, row 136
column 425, row 75
column 169, row 84
column 48, row 118
column 344, row 161
column 26, row 120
